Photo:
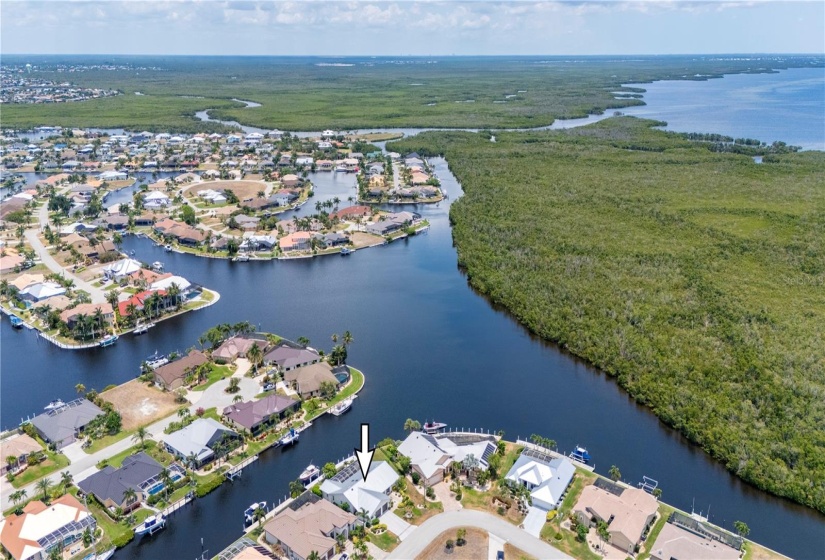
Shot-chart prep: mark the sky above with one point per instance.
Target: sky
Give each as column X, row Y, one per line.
column 396, row 28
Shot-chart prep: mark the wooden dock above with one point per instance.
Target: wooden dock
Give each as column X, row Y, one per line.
column 235, row 471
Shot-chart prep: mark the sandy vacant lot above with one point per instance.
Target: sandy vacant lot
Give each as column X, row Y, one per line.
column 476, row 547
column 140, row 404
column 362, row 239
column 242, row 189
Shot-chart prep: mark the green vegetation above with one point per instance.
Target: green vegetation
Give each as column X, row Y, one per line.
column 295, row 94
column 151, row 448
column 216, row 373
column 664, row 513
column 693, row 277
column 51, row 463
column 386, row 541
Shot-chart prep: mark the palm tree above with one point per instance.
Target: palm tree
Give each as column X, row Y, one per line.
column 334, row 338
column 166, row 478
column 17, row 497
column 303, row 341
column 259, row 517
column 11, row 461
column 80, row 388
column 184, row 413
column 66, row 480
column 174, row 293
column 44, row 485
column 192, row 461
column 614, row 473
column 314, row 555
column 255, row 356
column 112, row 298
column 237, row 399
column 129, row 496
column 347, row 338
column 140, row 435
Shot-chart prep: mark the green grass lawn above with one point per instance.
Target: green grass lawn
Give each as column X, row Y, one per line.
column 53, row 462
column 106, row 441
column 386, row 541
column 217, row 372
column 117, row 533
column 151, row 448
column 664, row 512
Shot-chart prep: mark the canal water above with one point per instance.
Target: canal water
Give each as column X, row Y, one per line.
column 431, row 349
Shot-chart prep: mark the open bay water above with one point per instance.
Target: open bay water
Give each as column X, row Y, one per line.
column 786, row 106
column 431, row 349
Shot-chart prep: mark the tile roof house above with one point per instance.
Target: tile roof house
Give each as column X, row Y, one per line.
column 110, row 484
column 40, row 528
column 198, row 439
column 676, row 542
column 371, row 495
column 351, row 212
column 254, row 415
column 172, row 375
column 69, row 316
column 20, row 446
column 288, row 357
column 61, row 426
column 627, row 511
column 312, row 527
column 546, row 477
column 298, row 241
column 236, row 347
column 307, row 380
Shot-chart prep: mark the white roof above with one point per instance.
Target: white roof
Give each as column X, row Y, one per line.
column 122, row 267
column 166, row 283
column 195, row 438
column 369, row 494
column 425, row 452
column 155, row 196
column 548, row 479
column 44, row 290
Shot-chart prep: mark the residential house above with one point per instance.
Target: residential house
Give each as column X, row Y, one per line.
column 41, row 291
column 139, row 300
column 121, row 269
column 694, row 542
column 291, row 180
column 155, row 200
column 70, row 316
column 62, row 425
column 627, row 511
column 41, row 528
column 312, row 527
column 236, row 347
column 25, row 280
column 298, row 241
column 287, row 356
column 257, row 415
column 545, row 476
column 19, row 446
column 198, row 440
column 307, row 380
column 430, row 456
column 172, row 375
column 369, row 497
column 138, row 472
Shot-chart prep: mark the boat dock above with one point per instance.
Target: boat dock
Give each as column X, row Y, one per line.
column 235, row 471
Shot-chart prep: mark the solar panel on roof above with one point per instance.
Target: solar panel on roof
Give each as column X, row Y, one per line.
column 488, row 452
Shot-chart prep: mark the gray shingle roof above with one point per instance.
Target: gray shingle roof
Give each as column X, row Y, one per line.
column 111, row 483
column 58, row 425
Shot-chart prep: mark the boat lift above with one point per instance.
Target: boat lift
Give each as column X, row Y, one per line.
column 648, row 484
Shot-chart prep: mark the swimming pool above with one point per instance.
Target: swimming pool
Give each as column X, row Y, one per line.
column 341, row 377
column 159, row 486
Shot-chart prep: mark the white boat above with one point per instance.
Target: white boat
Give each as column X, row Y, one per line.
column 143, row 328
column 341, row 407
column 346, row 251
column 249, row 513
column 54, row 405
column 105, row 555
column 433, row 427
column 152, row 525
column 156, row 360
column 241, row 258
column 310, row 473
column 290, row 438
column 157, row 266
column 168, row 248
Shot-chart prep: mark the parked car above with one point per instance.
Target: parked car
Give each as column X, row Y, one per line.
column 500, row 555
column 269, row 387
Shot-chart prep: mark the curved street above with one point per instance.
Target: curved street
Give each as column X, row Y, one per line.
column 430, row 529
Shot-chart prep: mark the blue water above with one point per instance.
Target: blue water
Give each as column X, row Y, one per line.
column 160, row 486
column 788, row 106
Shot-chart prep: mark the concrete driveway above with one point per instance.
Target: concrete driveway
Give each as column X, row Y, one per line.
column 396, row 525
column 430, row 529
column 536, row 517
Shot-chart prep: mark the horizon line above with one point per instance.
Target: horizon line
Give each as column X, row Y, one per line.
column 339, row 56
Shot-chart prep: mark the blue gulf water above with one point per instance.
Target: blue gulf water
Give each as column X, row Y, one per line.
column 787, row 106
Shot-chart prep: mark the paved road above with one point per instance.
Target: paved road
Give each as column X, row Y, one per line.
column 430, row 529
column 97, row 295
column 83, row 465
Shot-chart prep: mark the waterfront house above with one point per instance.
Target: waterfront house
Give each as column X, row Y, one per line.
column 236, row 347
column 139, row 300
column 430, row 456
column 298, row 241
column 291, row 180
column 257, row 415
column 307, row 380
column 165, row 281
column 627, row 511
column 172, row 375
column 41, row 528
column 113, row 176
column 70, row 316
column 686, row 538
column 19, row 446
column 334, row 239
column 120, row 269
column 545, row 476
column 370, row 497
column 199, row 440
column 41, row 291
column 63, row 425
column 25, row 280
column 155, row 200
column 311, row 527
column 288, row 356
column 139, row 472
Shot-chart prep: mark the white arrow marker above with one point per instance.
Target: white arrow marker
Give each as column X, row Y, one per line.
column 364, row 455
